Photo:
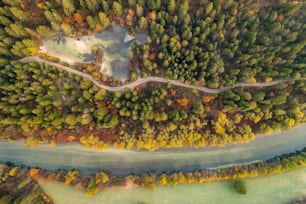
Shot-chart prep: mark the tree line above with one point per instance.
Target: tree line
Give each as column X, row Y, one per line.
column 94, row 183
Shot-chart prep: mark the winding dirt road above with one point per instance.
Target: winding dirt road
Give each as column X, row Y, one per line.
column 140, row 81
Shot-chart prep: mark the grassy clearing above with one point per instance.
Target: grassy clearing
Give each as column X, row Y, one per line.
column 276, row 189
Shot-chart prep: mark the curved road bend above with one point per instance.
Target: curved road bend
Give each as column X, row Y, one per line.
column 140, row 81
column 123, row 162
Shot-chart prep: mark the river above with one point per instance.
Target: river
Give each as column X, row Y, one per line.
column 123, row 162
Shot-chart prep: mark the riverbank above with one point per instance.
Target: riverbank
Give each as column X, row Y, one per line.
column 124, row 162
column 272, row 189
column 101, row 181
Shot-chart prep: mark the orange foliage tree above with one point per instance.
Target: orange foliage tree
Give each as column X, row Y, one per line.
column 78, row 18
column 183, row 102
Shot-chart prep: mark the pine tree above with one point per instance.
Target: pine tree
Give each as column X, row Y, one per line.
column 171, row 6
column 67, row 29
column 11, row 2
column 117, row 8
column 68, row 6
column 143, row 24
column 154, row 4
column 139, row 10
column 103, row 19
column 92, row 5
column 43, row 31
column 18, row 14
column 132, row 3
column 105, row 5
column 4, row 21
column 16, row 30
column 91, row 22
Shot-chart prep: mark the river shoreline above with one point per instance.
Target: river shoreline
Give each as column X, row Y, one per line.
column 123, row 162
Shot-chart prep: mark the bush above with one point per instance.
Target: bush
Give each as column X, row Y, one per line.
column 239, row 186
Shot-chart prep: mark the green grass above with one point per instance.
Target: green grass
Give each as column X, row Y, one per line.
column 276, row 189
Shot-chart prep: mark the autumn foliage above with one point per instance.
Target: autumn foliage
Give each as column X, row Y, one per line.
column 183, row 102
column 79, row 18
column 207, row 99
column 33, row 172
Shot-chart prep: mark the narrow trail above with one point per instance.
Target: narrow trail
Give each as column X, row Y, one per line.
column 140, row 81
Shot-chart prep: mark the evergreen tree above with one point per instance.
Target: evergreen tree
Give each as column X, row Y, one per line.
column 18, row 14
column 43, row 31
column 68, row 6
column 91, row 22
column 132, row 3
column 105, row 5
column 117, row 8
column 92, row 5
column 171, row 6
column 103, row 19
column 139, row 10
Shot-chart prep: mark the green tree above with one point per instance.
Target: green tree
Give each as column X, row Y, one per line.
column 154, row 4
column 68, row 6
column 86, row 119
column 53, row 16
column 132, row 3
column 23, row 48
column 91, row 22
column 117, row 8
column 103, row 19
column 11, row 2
column 4, row 21
column 16, row 30
column 105, row 5
column 100, row 95
column 43, row 31
column 198, row 108
column 67, row 29
column 133, row 76
column 209, row 8
column 3, row 61
column 100, row 113
column 4, row 51
column 143, row 24
column 171, row 6
column 101, row 177
column 239, row 186
column 141, row 2
column 18, row 14
column 139, row 10
column 92, row 5
column 184, row 7
column 293, row 9
column 71, row 119
column 275, row 27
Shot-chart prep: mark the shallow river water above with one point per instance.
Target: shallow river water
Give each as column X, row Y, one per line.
column 123, row 162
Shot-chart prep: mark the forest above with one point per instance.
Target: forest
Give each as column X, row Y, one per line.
column 43, row 106
column 206, row 43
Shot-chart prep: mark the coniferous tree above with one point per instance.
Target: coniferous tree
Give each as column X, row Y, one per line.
column 117, row 8
column 103, row 19
column 68, row 6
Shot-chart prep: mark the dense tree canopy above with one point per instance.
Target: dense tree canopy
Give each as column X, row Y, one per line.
column 206, row 43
